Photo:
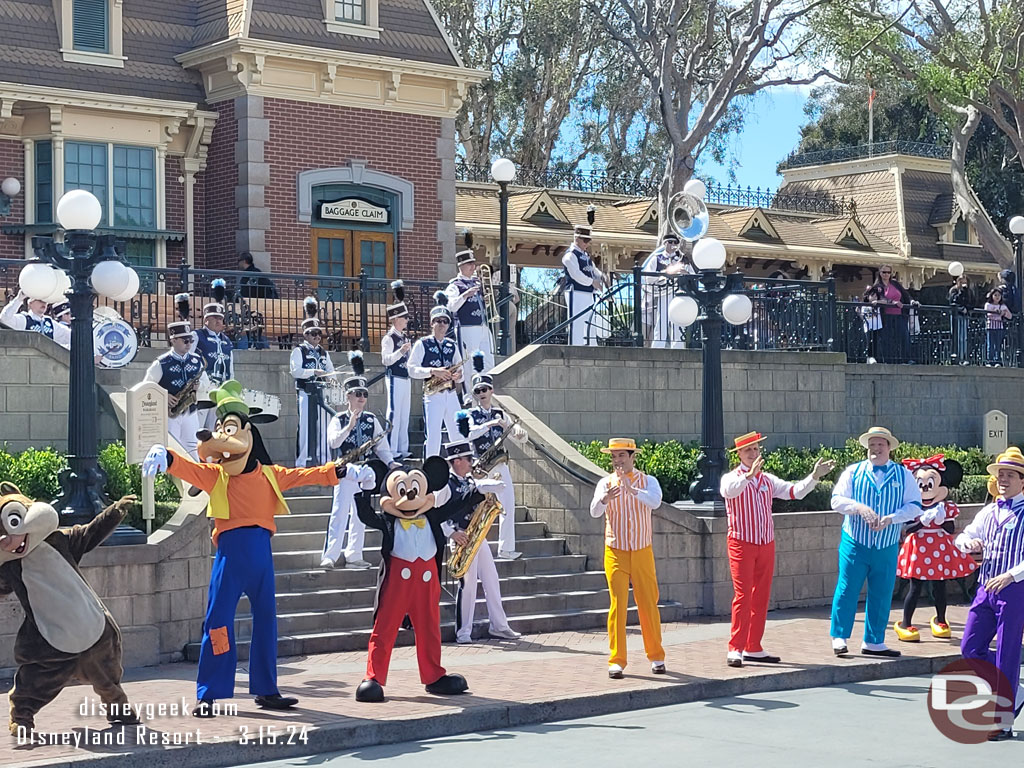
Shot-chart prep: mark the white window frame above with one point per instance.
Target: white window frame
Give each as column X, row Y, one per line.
column 115, row 58
column 370, row 29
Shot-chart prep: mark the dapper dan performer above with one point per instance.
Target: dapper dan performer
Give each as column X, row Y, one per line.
column 748, row 492
column 67, row 632
column 874, row 496
column 998, row 608
column 245, row 490
column 408, row 583
column 626, row 498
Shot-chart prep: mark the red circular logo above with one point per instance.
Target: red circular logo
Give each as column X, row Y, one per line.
column 969, row 699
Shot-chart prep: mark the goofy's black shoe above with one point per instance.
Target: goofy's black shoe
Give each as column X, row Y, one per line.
column 203, row 708
column 276, row 701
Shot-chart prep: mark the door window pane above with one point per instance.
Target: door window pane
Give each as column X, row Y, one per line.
column 85, row 167
column 330, row 256
column 373, row 257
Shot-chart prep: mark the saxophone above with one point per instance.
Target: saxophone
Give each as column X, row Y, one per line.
column 433, row 385
column 496, row 454
column 187, row 397
column 483, row 518
column 360, row 451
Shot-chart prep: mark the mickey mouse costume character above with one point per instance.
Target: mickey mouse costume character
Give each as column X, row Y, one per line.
column 928, row 552
column 245, row 489
column 408, row 582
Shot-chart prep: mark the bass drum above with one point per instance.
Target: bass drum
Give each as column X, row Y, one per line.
column 114, row 341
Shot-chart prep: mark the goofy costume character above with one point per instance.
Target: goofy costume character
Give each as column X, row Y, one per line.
column 245, row 490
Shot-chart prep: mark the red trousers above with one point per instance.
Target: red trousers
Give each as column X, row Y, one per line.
column 752, row 567
column 409, row 588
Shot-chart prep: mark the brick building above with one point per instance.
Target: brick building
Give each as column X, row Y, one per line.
column 211, row 127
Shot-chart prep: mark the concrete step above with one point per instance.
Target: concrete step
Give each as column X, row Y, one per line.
column 356, row 640
column 310, row 558
column 317, row 521
column 320, row 503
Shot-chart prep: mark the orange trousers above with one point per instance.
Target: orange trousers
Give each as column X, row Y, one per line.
column 622, row 566
column 752, row 567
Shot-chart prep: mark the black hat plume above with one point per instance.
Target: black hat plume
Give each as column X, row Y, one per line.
column 184, row 306
column 591, row 213
column 220, row 290
column 355, row 359
column 398, row 288
column 310, row 305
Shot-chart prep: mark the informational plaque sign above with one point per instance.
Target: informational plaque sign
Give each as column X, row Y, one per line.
column 354, row 209
column 995, row 436
column 146, row 426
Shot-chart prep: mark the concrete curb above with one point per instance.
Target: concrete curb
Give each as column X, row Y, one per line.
column 353, row 733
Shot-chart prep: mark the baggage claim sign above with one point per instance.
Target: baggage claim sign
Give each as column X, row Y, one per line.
column 354, row 209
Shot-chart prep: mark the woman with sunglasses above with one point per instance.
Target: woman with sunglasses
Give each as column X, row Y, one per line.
column 891, row 297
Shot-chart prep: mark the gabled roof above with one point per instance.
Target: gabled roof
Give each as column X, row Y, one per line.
column 542, row 206
column 640, row 213
column 752, row 223
column 846, row 232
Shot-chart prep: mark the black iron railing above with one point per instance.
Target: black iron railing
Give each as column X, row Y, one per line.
column 841, row 154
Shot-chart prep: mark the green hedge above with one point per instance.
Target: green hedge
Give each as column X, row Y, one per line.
column 675, row 466
column 37, row 472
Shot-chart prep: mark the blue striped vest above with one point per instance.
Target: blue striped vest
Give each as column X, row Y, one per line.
column 885, row 498
column 1004, row 544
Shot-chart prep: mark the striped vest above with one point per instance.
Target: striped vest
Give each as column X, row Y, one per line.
column 885, row 499
column 1004, row 542
column 628, row 521
column 750, row 513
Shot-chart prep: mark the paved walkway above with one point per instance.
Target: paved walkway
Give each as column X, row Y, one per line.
column 537, row 679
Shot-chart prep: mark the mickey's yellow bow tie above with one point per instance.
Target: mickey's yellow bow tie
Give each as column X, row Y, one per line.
column 419, row 522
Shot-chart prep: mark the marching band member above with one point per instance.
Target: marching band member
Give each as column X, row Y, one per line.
column 346, row 432
column 626, row 498
column 998, row 608
column 488, row 422
column 466, row 301
column 62, row 314
column 175, row 371
column 431, row 357
column 309, row 362
column 874, row 497
column 394, row 353
column 582, row 278
column 748, row 492
column 668, row 260
column 34, row 319
column 458, row 500
column 214, row 346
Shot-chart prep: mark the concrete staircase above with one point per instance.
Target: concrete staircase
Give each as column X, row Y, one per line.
column 321, row 611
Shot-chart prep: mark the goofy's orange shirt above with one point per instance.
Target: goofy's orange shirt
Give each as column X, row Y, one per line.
column 252, row 498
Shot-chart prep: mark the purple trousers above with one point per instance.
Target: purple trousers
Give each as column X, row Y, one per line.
column 1000, row 616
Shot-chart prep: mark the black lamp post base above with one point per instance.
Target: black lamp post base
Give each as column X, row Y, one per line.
column 710, row 508
column 81, row 498
column 125, row 534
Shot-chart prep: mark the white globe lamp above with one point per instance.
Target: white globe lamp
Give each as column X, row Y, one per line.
column 737, row 308
column 503, row 170
column 132, row 288
column 10, row 186
column 63, row 286
column 695, row 187
column 708, row 254
column 682, row 311
column 955, row 268
column 38, row 281
column 110, row 278
column 79, row 210
column 1017, row 225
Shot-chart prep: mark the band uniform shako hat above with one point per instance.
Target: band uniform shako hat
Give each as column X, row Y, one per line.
column 228, row 398
column 879, row 432
column 460, row 447
column 179, row 330
column 585, row 231
column 213, row 309
column 670, row 237
column 398, row 309
column 1011, row 458
column 441, row 308
column 481, row 378
column 466, row 255
column 311, row 308
column 620, row 444
column 751, row 438
column 64, row 308
column 356, row 382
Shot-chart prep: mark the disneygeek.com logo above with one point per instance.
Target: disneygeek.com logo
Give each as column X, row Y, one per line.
column 970, row 699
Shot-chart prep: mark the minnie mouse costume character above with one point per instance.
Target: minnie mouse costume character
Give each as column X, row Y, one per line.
column 408, row 582
column 928, row 553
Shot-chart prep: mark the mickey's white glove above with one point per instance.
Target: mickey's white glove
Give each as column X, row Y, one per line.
column 367, row 478
column 490, row 485
column 155, row 461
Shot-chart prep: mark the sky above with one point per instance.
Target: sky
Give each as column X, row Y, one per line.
column 771, row 131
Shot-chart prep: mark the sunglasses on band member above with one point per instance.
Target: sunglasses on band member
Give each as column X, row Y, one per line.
column 359, row 393
column 481, row 390
column 442, row 320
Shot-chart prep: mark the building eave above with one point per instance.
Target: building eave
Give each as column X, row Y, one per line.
column 95, row 100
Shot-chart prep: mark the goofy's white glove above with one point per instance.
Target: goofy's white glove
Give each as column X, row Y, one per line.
column 155, row 461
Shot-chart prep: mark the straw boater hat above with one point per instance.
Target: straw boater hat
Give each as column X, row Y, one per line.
column 1011, row 458
column 620, row 444
column 748, row 439
column 878, row 432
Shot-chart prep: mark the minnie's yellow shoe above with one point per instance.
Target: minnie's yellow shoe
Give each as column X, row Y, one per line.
column 907, row 634
column 940, row 629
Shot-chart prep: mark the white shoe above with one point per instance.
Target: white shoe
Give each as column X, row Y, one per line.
column 658, row 667
column 463, row 640
column 506, row 554
column 356, row 564
column 734, row 659
column 614, row 671
column 504, row 634
column 327, row 563
column 839, row 646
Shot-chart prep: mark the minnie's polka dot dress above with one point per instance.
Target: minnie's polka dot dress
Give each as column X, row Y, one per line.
column 929, row 554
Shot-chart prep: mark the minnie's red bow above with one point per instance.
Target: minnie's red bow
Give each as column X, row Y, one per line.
column 935, row 462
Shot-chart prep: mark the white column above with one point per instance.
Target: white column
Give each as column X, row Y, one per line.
column 160, row 192
column 28, row 190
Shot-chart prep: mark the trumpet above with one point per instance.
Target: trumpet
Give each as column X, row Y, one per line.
column 486, row 278
column 433, row 385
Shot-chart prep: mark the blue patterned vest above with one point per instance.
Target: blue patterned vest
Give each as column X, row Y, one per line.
column 361, row 432
column 478, row 416
column 885, row 497
column 215, row 349
column 399, row 369
column 586, row 266
column 176, row 372
column 438, row 354
column 313, row 359
column 44, row 326
column 472, row 311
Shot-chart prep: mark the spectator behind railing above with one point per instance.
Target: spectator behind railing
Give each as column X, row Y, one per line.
column 890, row 297
column 872, row 315
column 961, row 299
column 251, row 287
column 1011, row 292
column 996, row 312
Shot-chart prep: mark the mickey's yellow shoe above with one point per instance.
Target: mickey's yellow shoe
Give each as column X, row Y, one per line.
column 939, row 628
column 907, row 634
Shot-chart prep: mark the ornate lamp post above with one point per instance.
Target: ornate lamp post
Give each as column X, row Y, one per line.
column 503, row 171
column 94, row 267
column 1017, row 230
column 715, row 297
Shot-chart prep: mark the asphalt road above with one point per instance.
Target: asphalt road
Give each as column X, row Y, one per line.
column 877, row 724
